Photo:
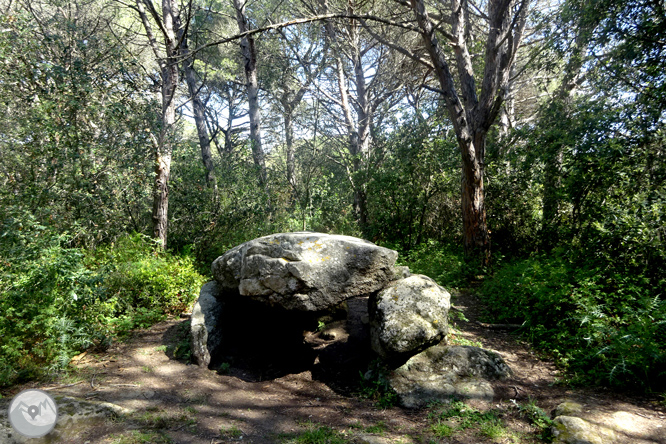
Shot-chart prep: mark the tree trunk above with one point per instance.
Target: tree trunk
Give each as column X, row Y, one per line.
column 199, row 117
column 250, row 61
column 169, row 75
column 475, row 229
column 291, row 159
column 473, row 116
column 161, row 197
column 169, row 25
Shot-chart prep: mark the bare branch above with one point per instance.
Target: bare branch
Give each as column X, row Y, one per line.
column 301, row 21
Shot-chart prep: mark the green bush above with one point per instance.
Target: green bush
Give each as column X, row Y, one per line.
column 136, row 275
column 444, row 263
column 602, row 325
column 57, row 301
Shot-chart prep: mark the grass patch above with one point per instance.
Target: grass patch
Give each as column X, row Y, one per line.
column 538, row 418
column 441, row 429
column 232, row 432
column 157, row 418
column 137, row 437
column 455, row 338
column 377, row 429
column 315, row 434
column 456, row 417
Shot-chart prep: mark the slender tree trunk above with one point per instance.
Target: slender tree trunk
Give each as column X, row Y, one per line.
column 291, row 158
column 249, row 52
column 169, row 74
column 169, row 25
column 363, row 142
column 199, row 117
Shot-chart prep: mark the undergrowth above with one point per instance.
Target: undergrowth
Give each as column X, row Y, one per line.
column 443, row 263
column 375, row 386
column 57, row 301
column 601, row 324
column 448, row 419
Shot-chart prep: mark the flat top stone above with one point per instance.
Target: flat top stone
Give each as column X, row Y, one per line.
column 305, row 270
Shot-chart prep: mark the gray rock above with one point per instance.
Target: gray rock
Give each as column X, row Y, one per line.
column 576, row 423
column 75, row 417
column 568, row 408
column 408, row 316
column 206, row 336
column 441, row 372
column 401, row 272
column 574, row 430
column 304, row 270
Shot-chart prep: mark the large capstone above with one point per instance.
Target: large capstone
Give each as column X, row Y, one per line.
column 408, row 316
column 304, row 270
column 442, row 372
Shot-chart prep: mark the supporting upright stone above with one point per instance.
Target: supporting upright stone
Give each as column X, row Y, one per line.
column 206, row 334
column 407, row 316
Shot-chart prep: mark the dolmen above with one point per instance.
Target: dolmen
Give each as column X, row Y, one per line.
column 277, row 290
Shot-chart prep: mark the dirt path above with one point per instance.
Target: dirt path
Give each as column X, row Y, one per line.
column 181, row 403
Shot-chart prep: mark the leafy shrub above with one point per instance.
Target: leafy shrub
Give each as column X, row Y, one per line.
column 57, row 301
column 602, row 325
column 442, row 262
column 138, row 276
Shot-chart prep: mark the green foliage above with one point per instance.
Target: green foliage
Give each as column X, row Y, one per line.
column 374, row 385
column 539, row 418
column 377, row 429
column 58, row 301
column 601, row 325
column 73, row 133
column 137, row 274
column 414, row 194
column 442, row 262
column 441, row 430
column 465, row 416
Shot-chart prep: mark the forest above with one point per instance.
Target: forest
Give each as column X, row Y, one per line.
column 514, row 148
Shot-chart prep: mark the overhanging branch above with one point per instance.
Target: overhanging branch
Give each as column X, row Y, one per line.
column 302, row 21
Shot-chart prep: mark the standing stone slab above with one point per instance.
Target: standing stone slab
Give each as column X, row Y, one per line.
column 205, row 331
column 304, row 270
column 407, row 316
column 441, row 372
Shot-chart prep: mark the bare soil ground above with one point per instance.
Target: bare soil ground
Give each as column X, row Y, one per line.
column 182, row 403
